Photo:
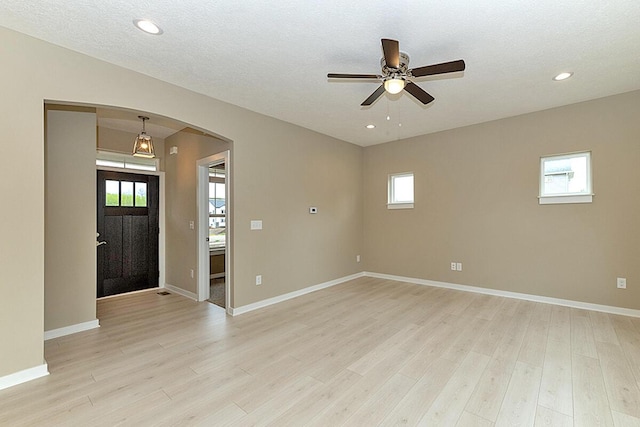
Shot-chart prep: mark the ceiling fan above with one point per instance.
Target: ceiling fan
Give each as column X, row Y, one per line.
column 396, row 74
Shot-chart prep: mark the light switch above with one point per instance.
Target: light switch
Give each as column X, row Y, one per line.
column 256, row 224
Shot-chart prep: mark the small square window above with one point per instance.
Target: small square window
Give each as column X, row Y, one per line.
column 400, row 192
column 565, row 179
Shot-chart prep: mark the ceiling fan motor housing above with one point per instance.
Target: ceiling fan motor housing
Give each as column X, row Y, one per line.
column 400, row 72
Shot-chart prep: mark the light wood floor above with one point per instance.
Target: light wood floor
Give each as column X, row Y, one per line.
column 365, row 353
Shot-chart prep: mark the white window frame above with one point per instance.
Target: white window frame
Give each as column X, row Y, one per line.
column 585, row 196
column 392, row 203
column 113, row 159
column 217, row 180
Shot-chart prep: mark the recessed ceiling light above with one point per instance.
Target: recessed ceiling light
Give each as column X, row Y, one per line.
column 563, row 76
column 370, row 126
column 147, row 26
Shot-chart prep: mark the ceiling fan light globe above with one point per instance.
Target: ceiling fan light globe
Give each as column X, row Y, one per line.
column 394, row 86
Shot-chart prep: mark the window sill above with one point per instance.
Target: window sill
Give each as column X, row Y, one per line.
column 400, row 206
column 556, row 200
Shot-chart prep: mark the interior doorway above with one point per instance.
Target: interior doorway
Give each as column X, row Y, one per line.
column 128, row 232
column 217, row 234
column 214, row 229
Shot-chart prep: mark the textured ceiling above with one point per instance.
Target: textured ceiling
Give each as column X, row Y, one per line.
column 128, row 121
column 272, row 57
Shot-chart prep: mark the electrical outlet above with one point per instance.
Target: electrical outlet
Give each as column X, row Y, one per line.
column 453, row 266
column 357, row 258
column 192, row 225
column 459, row 266
column 621, row 283
column 259, row 279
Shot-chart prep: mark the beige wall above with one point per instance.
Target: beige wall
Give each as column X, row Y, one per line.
column 279, row 170
column 476, row 202
column 122, row 142
column 70, row 211
column 284, row 174
column 181, row 206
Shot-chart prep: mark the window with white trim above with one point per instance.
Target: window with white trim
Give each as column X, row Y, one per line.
column 217, row 207
column 566, row 178
column 125, row 161
column 400, row 191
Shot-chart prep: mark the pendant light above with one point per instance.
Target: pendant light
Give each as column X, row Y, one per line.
column 143, row 145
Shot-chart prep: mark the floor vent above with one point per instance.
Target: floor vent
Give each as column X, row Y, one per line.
column 164, row 293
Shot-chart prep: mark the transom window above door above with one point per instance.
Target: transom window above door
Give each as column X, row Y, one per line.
column 111, row 159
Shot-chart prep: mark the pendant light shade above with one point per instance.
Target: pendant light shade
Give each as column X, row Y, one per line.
column 143, row 144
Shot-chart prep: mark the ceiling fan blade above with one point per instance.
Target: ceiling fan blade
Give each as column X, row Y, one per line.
column 391, row 50
column 418, row 93
column 353, row 76
column 372, row 98
column 445, row 67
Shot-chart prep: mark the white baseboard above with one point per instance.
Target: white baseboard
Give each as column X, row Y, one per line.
column 507, row 294
column 180, row 291
column 280, row 298
column 24, row 376
column 68, row 330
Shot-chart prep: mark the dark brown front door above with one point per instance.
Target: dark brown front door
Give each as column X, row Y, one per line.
column 128, row 221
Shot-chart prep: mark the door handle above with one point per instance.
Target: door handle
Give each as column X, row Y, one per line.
column 99, row 243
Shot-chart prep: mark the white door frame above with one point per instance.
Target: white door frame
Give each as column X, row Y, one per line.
column 202, row 201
